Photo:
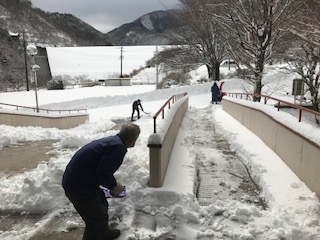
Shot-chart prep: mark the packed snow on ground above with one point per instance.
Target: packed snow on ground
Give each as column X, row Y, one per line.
column 293, row 210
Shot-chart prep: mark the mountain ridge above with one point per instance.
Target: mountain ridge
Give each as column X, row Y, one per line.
column 155, row 28
column 22, row 24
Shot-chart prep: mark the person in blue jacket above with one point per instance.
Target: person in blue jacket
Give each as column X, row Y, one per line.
column 92, row 168
column 215, row 93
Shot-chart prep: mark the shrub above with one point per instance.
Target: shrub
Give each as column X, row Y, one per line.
column 55, row 84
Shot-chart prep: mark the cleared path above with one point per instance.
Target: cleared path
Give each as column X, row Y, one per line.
column 221, row 173
column 220, row 176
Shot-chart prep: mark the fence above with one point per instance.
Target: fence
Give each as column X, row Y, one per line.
column 298, row 152
column 160, row 150
column 40, row 117
column 278, row 105
column 174, row 98
column 19, row 107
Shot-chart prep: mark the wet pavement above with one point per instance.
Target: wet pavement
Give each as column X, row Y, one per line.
column 23, row 156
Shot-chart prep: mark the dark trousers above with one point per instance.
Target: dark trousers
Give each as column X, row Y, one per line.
column 215, row 98
column 133, row 111
column 93, row 209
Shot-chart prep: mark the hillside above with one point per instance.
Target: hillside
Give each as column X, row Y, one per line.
column 46, row 28
column 155, row 28
column 20, row 21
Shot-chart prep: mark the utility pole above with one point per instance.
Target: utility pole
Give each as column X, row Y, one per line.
column 121, row 57
column 25, row 58
column 157, row 67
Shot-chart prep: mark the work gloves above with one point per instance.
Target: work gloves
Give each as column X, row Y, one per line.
column 118, row 190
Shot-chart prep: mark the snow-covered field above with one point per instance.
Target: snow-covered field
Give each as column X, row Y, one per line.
column 99, row 62
column 293, row 210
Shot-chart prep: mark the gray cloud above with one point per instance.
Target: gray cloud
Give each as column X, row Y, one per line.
column 105, row 15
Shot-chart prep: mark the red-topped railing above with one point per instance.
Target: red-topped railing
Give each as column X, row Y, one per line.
column 19, row 107
column 173, row 99
column 278, row 105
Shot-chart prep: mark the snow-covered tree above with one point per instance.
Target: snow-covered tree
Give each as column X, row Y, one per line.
column 252, row 28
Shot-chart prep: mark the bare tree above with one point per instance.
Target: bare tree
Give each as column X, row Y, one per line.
column 304, row 56
column 199, row 34
column 252, row 28
column 307, row 25
column 305, row 63
column 175, row 59
column 80, row 79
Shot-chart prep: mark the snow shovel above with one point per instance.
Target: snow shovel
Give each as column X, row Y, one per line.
column 108, row 195
column 146, row 112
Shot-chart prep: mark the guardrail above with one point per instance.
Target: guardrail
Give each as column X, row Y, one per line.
column 17, row 107
column 161, row 144
column 174, row 98
column 266, row 98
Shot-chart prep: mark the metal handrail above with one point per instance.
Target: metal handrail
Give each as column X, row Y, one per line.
column 266, row 98
column 174, row 99
column 44, row 109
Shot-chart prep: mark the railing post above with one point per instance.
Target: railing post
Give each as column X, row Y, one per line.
column 300, row 115
column 162, row 109
column 154, row 124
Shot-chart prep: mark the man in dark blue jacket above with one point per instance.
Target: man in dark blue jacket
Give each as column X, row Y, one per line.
column 91, row 168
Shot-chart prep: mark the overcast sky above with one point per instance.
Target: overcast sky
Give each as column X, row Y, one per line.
column 105, row 15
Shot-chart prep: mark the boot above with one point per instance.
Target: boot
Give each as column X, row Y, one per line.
column 87, row 235
column 110, row 234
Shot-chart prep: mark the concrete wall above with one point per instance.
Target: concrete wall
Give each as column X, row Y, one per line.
column 42, row 120
column 300, row 154
column 44, row 73
column 160, row 153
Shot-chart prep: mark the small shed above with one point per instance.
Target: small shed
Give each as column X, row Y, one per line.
column 115, row 82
